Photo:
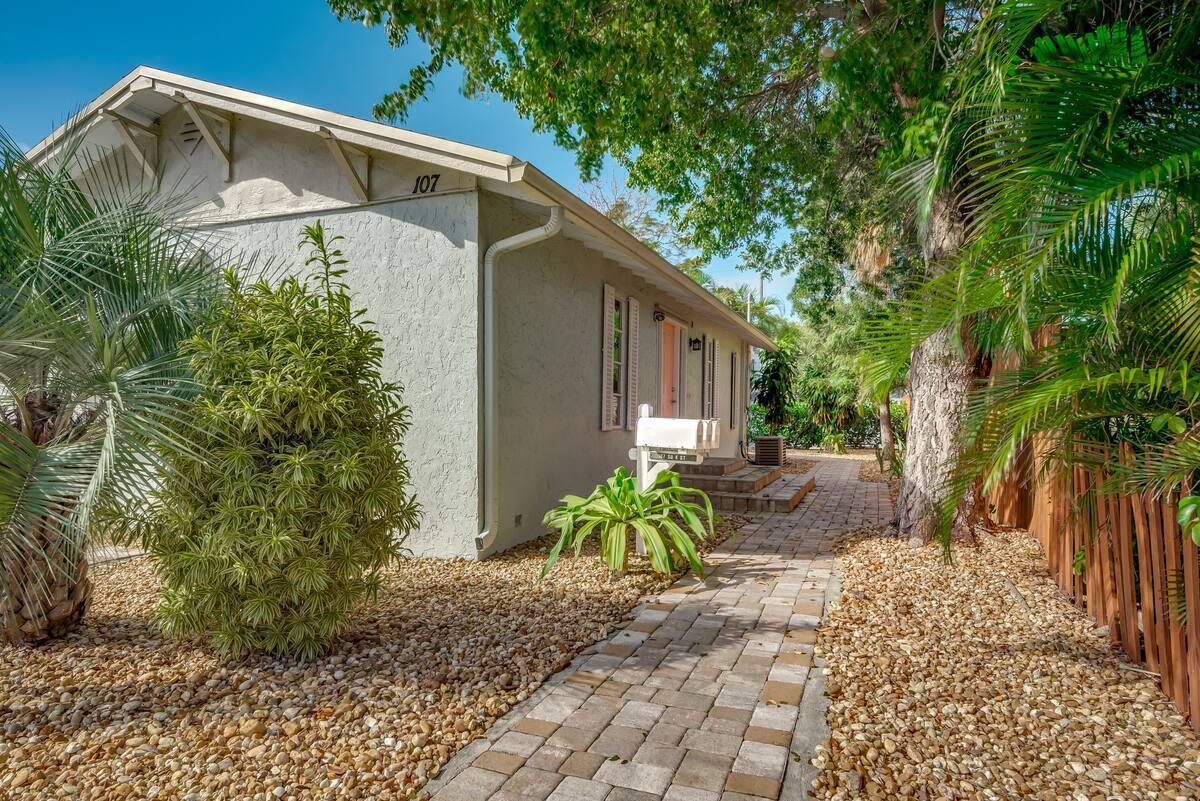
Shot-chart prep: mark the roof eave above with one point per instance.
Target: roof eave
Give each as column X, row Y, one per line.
column 398, row 141
column 556, row 194
column 352, row 130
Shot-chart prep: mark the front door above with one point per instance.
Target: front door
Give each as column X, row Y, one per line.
column 670, row 393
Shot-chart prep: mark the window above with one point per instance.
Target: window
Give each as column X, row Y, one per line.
column 618, row 404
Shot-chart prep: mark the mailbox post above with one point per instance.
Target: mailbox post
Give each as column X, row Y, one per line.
column 660, row 442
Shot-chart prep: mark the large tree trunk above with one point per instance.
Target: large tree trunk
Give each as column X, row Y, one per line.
column 48, row 587
column 939, row 380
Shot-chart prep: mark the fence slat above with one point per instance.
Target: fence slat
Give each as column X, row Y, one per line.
column 1079, row 523
column 1158, row 572
column 1173, row 571
column 1084, row 515
column 1145, row 573
column 1127, row 587
column 1191, row 578
column 1108, row 573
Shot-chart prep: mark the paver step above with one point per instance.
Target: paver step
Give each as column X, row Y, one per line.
column 714, row 466
column 751, row 478
column 782, row 495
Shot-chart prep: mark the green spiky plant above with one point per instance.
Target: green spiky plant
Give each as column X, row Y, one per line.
column 97, row 289
column 275, row 540
column 616, row 511
column 1080, row 150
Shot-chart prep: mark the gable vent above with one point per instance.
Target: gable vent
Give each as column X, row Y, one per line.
column 189, row 134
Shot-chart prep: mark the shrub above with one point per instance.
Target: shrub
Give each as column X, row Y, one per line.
column 616, row 509
column 774, row 385
column 274, row 539
column 800, row 430
column 834, row 442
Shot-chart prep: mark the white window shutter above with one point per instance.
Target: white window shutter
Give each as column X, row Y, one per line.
column 708, row 384
column 631, row 372
column 606, row 355
column 716, row 384
column 733, row 387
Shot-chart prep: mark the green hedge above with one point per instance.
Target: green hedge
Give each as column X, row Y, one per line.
column 801, row 432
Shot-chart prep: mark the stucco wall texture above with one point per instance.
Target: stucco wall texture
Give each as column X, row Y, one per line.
column 549, row 306
column 415, row 266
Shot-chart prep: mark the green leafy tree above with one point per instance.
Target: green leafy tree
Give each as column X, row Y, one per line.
column 286, row 529
column 759, row 126
column 97, row 289
column 1081, row 133
column 764, row 312
column 830, row 392
column 638, row 213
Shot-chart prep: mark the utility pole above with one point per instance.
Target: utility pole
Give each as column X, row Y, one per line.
column 750, row 298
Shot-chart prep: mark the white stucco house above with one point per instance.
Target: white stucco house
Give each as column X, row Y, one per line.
column 524, row 326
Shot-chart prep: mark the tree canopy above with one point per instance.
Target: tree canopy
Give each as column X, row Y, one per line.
column 991, row 167
column 759, row 124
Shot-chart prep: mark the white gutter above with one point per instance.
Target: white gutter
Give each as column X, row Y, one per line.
column 491, row 455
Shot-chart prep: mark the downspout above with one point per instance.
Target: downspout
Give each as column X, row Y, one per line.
column 491, row 455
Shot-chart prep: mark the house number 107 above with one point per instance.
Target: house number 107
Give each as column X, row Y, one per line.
column 426, row 183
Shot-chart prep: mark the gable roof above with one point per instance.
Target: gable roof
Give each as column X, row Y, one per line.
column 147, row 93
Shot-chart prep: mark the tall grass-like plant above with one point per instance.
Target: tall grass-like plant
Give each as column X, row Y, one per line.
column 275, row 540
column 616, row 511
column 97, row 289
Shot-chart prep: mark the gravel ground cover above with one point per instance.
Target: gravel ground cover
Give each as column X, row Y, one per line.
column 116, row 711
column 944, row 686
column 797, row 465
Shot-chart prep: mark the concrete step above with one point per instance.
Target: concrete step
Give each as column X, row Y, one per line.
column 782, row 495
column 715, row 466
column 751, row 478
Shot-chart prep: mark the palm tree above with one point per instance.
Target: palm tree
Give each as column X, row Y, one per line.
column 763, row 312
column 97, row 289
column 1081, row 264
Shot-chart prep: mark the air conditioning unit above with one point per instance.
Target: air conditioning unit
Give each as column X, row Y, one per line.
column 770, row 451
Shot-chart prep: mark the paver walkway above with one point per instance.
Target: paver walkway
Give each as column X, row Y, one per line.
column 704, row 696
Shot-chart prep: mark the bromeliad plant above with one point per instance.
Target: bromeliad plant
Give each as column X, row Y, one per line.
column 664, row 517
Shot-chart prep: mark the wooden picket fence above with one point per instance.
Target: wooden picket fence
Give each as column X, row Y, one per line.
column 1123, row 560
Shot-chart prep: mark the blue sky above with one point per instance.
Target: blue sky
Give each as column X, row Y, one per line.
column 54, row 59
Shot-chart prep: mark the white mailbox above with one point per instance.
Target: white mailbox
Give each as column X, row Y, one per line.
column 660, row 442
column 674, row 440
